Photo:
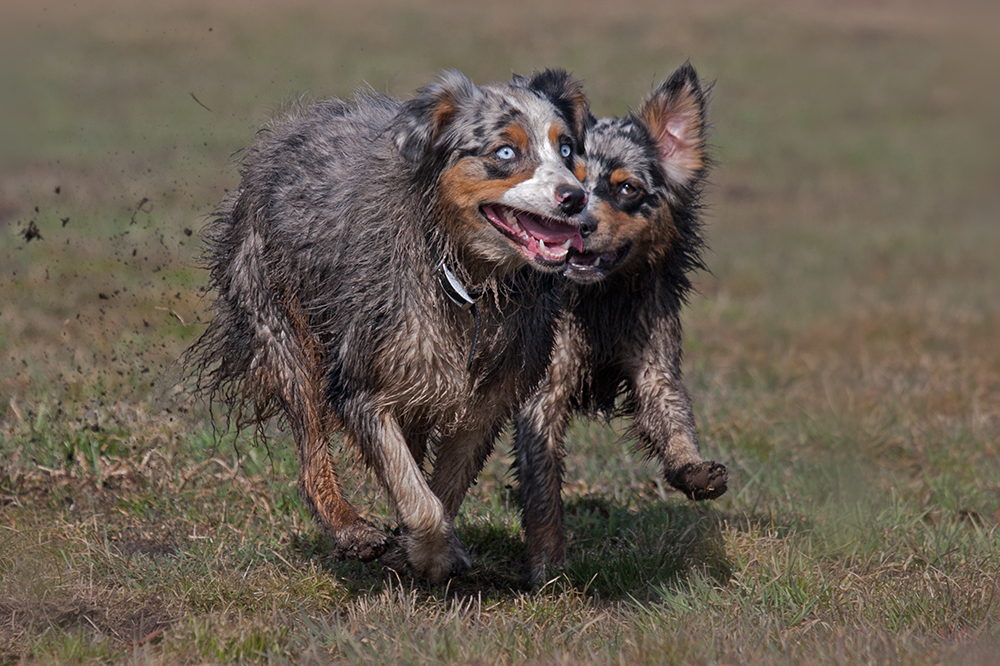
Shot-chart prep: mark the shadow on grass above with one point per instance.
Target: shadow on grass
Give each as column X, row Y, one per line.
column 358, row 577
column 498, row 565
column 614, row 552
column 619, row 553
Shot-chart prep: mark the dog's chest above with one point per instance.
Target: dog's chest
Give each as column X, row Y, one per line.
column 431, row 374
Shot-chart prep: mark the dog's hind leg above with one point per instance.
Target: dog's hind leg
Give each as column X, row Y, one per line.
column 663, row 420
column 311, row 422
column 319, row 488
column 459, row 459
column 268, row 358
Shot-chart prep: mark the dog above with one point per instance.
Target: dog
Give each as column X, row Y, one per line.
column 618, row 341
column 390, row 270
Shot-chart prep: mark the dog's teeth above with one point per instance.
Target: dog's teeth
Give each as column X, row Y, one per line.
column 511, row 219
column 541, row 245
column 568, row 244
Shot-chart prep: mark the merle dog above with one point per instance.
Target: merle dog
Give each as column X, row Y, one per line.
column 618, row 343
column 389, row 270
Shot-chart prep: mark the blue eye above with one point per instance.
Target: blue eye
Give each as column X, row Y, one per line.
column 565, row 150
column 505, row 153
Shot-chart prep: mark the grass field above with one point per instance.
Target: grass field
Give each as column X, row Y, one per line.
column 843, row 353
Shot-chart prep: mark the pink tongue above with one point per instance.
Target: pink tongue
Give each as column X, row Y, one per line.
column 555, row 233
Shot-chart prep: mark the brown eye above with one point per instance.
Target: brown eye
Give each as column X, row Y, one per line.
column 627, row 189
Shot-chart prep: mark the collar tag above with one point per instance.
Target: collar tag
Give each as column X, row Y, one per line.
column 452, row 288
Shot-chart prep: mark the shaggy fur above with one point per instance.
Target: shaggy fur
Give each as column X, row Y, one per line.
column 618, row 344
column 328, row 264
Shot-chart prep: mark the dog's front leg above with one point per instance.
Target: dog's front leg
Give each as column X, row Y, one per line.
column 539, row 451
column 428, row 534
column 664, row 418
column 540, row 430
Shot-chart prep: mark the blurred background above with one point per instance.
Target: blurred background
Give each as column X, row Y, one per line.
column 842, row 352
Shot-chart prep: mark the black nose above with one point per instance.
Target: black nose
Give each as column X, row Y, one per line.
column 571, row 199
column 588, row 225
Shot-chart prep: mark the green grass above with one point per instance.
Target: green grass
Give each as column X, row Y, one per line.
column 842, row 352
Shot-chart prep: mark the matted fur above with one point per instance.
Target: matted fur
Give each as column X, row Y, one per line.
column 328, row 305
column 618, row 344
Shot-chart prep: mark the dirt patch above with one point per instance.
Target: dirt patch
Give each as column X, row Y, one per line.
column 118, row 619
column 150, row 548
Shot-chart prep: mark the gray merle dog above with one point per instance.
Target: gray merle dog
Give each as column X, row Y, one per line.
column 389, row 269
column 618, row 344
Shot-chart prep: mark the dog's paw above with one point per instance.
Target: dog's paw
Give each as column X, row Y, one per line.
column 700, row 481
column 361, row 541
column 540, row 574
column 434, row 562
column 545, row 560
column 394, row 559
column 460, row 559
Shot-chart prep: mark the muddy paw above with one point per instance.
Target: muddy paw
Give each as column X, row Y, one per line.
column 394, row 559
column 409, row 558
column 361, row 541
column 700, row 481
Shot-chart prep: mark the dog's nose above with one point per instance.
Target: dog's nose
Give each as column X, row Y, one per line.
column 588, row 225
column 571, row 199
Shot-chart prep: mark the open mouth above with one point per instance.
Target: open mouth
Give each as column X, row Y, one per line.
column 541, row 239
column 592, row 266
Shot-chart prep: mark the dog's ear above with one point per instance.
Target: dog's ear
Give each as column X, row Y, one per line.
column 674, row 114
column 566, row 93
column 422, row 120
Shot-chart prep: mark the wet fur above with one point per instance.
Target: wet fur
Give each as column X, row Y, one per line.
column 618, row 344
column 328, row 309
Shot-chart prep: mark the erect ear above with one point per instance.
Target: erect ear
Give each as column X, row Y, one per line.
column 674, row 114
column 422, row 120
column 566, row 93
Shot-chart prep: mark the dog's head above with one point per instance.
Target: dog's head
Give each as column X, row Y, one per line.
column 500, row 161
column 644, row 175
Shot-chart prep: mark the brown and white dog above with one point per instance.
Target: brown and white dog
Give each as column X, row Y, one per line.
column 390, row 270
column 618, row 343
